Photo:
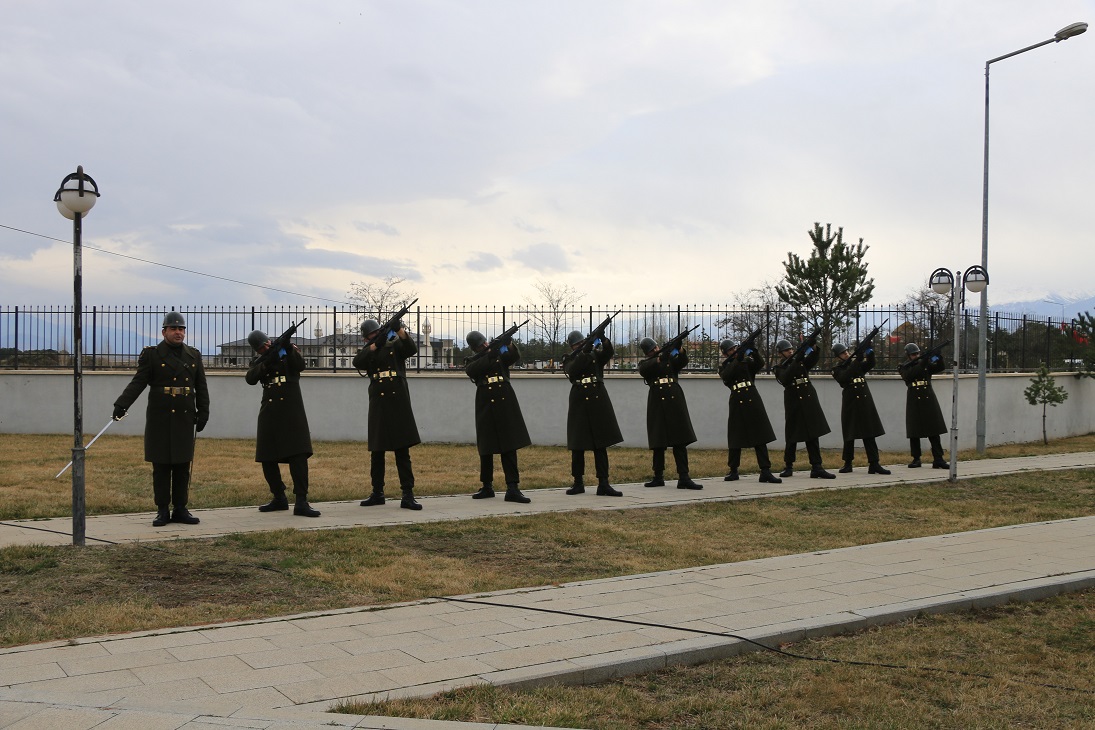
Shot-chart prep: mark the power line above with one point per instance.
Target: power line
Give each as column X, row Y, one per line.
column 179, row 268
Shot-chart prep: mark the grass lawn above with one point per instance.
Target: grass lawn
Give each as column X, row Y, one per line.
column 225, row 473
column 54, row 593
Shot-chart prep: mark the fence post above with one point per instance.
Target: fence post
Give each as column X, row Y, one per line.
column 16, row 343
column 1049, row 322
column 1023, row 346
column 417, row 339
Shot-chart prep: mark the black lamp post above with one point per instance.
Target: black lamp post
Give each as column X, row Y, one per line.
column 75, row 198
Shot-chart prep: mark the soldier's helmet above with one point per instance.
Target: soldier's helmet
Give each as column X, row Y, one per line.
column 574, row 338
column 727, row 345
column 257, row 339
column 173, row 319
column 647, row 345
column 475, row 339
column 369, row 326
column 912, row 349
column 783, row 345
column 839, row 347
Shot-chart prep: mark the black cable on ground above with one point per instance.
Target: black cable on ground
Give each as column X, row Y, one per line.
column 774, row 650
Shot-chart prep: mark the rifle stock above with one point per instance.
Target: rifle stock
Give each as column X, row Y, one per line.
column 597, row 333
column 748, row 344
column 495, row 342
column 380, row 336
column 283, row 342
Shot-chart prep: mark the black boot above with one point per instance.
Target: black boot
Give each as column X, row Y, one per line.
column 877, row 468
column 183, row 516
column 915, row 463
column 685, row 482
column 578, row 488
column 604, row 489
column 788, row 471
column 514, row 494
column 818, row 472
column 485, row 492
column 940, row 464
column 303, row 509
column 847, row 468
column 657, row 481
column 732, row 476
column 377, row 497
column 408, row 499
column 766, row 475
column 163, row 516
column 278, row 503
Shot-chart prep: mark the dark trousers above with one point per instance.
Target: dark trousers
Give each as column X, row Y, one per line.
column 936, row 446
column 509, row 467
column 402, row 466
column 680, row 456
column 298, row 470
column 813, row 450
column 869, row 446
column 171, row 484
column 734, row 458
column 578, row 463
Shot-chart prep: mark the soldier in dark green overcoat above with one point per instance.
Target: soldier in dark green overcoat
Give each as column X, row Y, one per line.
column 668, row 424
column 858, row 415
column 923, row 416
column 805, row 421
column 391, row 421
column 283, row 436
column 499, row 426
column 178, row 405
column 591, row 420
column 747, row 423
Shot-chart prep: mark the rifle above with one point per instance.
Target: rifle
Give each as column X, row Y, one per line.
column 810, row 341
column 597, row 333
column 380, row 336
column 281, row 343
column 676, row 342
column 861, row 348
column 747, row 344
column 501, row 339
column 933, row 352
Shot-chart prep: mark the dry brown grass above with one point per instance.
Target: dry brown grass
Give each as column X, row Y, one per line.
column 1021, row 647
column 226, row 475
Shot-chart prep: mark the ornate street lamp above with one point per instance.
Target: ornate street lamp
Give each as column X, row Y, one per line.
column 1069, row 31
column 75, row 199
column 942, row 281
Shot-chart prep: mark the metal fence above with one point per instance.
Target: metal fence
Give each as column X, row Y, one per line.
column 41, row 336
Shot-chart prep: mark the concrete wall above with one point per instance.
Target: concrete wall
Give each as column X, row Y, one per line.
column 41, row 402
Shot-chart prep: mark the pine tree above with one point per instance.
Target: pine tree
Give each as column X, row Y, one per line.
column 1084, row 334
column 826, row 288
column 1044, row 390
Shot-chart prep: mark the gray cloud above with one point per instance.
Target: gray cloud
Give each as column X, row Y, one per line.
column 543, row 257
column 483, row 262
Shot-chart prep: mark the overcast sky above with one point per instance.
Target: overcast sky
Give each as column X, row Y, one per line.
column 638, row 151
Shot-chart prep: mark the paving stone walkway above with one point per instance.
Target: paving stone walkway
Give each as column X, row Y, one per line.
column 286, row 672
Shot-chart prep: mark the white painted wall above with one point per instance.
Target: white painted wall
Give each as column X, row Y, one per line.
column 41, row 402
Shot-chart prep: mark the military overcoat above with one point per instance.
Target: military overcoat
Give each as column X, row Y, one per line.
column 858, row 415
column 591, row 420
column 178, row 398
column 667, row 420
column 499, row 425
column 747, row 423
column 391, row 420
column 283, row 424
column 923, row 416
column 805, row 418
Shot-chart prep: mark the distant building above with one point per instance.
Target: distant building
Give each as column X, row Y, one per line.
column 336, row 351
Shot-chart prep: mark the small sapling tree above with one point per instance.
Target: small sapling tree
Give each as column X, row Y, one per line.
column 1044, row 390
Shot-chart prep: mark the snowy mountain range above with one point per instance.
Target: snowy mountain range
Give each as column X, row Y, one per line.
column 1053, row 304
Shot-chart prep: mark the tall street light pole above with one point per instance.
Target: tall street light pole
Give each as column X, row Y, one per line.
column 75, row 198
column 1065, row 33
